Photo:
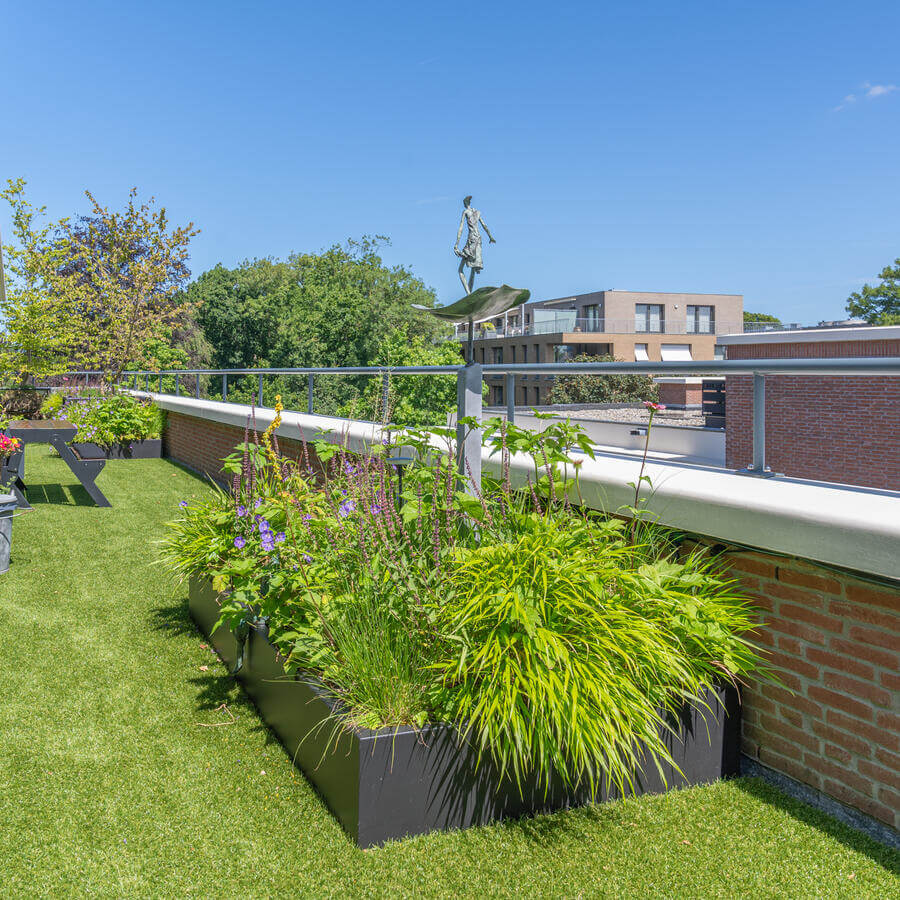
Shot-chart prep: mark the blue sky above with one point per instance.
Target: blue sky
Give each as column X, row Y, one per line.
column 643, row 146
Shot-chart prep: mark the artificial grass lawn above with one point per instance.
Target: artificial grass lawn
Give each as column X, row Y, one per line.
column 110, row 785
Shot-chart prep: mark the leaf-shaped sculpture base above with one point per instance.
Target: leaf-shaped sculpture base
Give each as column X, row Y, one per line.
column 481, row 304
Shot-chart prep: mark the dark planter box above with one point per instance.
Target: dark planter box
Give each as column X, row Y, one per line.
column 148, row 449
column 394, row 783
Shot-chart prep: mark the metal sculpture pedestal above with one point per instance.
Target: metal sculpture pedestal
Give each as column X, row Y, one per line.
column 57, row 433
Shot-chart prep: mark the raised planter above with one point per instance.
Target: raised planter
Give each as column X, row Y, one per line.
column 8, row 504
column 394, row 783
column 147, row 449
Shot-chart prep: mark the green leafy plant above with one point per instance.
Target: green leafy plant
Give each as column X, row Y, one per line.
column 108, row 419
column 51, row 406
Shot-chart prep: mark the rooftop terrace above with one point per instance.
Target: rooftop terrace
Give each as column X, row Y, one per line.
column 131, row 758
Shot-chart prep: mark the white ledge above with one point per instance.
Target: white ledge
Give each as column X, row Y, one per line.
column 851, row 527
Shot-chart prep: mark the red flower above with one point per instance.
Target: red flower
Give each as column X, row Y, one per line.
column 654, row 406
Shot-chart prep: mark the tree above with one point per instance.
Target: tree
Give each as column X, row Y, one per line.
column 40, row 330
column 581, row 388
column 765, row 318
column 333, row 308
column 412, row 399
column 124, row 273
column 879, row 305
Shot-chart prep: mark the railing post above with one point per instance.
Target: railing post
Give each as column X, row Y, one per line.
column 468, row 439
column 259, row 393
column 197, row 385
column 310, row 379
column 510, row 397
column 758, row 466
column 224, row 386
column 176, row 383
column 160, row 382
column 385, row 396
column 147, row 382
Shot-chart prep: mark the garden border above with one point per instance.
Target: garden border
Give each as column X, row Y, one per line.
column 389, row 784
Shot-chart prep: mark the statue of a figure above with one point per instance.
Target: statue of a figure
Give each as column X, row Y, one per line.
column 470, row 255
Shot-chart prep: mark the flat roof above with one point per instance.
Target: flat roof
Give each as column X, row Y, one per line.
column 814, row 335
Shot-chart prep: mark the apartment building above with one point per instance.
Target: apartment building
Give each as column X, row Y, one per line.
column 629, row 325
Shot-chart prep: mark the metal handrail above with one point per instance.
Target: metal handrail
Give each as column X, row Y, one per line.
column 469, row 377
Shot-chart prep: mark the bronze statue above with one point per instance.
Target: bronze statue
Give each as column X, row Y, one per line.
column 470, row 255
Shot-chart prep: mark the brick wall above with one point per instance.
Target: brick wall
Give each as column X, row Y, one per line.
column 827, row 428
column 834, row 639
column 202, row 444
column 834, row 721
column 680, row 395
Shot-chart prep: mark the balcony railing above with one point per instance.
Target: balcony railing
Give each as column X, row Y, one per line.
column 570, row 325
column 470, row 378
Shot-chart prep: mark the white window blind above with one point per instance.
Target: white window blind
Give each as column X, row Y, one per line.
column 640, row 353
column 676, row 352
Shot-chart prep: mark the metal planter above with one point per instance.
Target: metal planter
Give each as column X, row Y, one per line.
column 148, row 449
column 8, row 506
column 394, row 783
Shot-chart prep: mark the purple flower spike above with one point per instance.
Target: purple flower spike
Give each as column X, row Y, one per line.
column 306, row 517
column 239, row 542
column 242, row 510
column 307, row 558
column 279, row 537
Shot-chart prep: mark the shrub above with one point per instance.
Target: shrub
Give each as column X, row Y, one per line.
column 22, row 403
column 581, row 388
column 555, row 644
column 108, row 419
column 52, row 405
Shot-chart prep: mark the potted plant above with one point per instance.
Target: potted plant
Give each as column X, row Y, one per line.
column 115, row 426
column 435, row 658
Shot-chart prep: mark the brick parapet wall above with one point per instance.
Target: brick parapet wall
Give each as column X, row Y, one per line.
column 834, row 639
column 680, row 395
column 201, row 444
column 822, row 427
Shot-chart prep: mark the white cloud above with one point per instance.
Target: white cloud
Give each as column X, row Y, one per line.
column 869, row 91
column 878, row 90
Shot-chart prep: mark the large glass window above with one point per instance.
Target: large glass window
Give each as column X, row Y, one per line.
column 592, row 320
column 498, row 354
column 648, row 317
column 562, row 353
column 701, row 319
column 524, row 353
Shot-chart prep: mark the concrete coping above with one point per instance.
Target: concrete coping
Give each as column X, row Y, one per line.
column 846, row 526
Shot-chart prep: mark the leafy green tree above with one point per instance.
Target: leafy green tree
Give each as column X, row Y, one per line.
column 333, row 308
column 125, row 271
column 39, row 328
column 750, row 317
column 412, row 399
column 581, row 388
column 879, row 305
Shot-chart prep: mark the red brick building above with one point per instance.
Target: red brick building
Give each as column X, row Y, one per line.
column 828, row 428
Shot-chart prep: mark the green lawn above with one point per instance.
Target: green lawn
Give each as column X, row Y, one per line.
column 111, row 786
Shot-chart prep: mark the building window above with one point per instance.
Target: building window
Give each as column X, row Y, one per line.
column 676, row 352
column 562, row 353
column 482, row 354
column 701, row 320
column 592, row 321
column 537, row 353
column 524, row 353
column 512, row 352
column 640, row 353
column 498, row 395
column 498, row 355
column 648, row 317
column 537, row 396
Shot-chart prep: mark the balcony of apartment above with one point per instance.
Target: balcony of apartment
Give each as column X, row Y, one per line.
column 571, row 327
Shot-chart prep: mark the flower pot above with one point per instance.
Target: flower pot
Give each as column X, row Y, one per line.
column 7, row 508
column 392, row 783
